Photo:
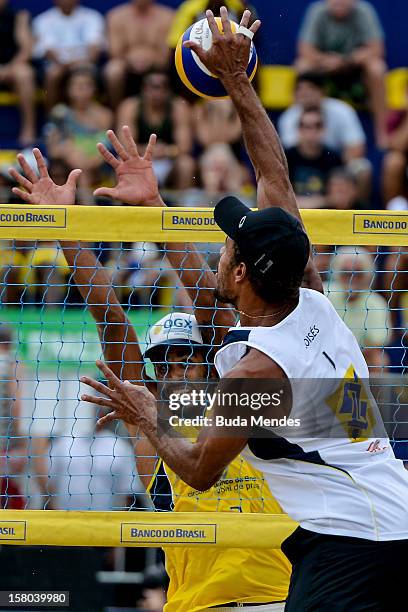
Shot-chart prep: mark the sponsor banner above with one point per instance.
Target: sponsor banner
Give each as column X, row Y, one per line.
column 32, row 217
column 381, row 224
column 164, row 534
column 12, row 531
column 179, row 224
column 144, row 529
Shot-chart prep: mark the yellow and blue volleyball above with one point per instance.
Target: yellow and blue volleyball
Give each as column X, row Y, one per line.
column 192, row 71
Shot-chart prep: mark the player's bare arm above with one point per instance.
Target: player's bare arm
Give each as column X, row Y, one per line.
column 228, row 59
column 137, row 185
column 199, row 464
column 118, row 337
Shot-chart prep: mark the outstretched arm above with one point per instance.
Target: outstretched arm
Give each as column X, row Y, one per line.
column 228, row 59
column 137, row 184
column 118, row 338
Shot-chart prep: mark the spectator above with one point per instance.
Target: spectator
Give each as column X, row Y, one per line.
column 216, row 121
column 13, row 452
column 15, row 52
column 67, row 36
column 343, row 133
column 395, row 164
column 75, row 127
column 158, row 111
column 310, row 163
column 363, row 310
column 220, row 172
column 342, row 192
column 94, row 472
column 343, row 39
column 137, row 39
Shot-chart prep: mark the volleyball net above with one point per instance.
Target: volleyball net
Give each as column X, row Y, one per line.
column 62, row 482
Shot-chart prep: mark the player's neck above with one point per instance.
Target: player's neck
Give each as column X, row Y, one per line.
column 257, row 313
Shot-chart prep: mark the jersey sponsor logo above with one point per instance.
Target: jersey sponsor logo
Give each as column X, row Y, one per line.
column 352, row 407
column 199, row 220
column 380, row 224
column 311, row 335
column 169, row 534
column 24, row 216
column 13, row 530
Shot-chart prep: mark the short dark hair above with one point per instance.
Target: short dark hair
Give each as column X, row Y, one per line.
column 6, row 336
column 273, row 290
column 315, row 78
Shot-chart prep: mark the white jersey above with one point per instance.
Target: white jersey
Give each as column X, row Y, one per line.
column 336, row 484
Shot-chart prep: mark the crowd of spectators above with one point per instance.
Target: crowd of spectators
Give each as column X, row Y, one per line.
column 103, row 71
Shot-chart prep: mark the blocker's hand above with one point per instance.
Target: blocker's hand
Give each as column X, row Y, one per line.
column 136, row 181
column 228, row 55
column 128, row 402
column 41, row 189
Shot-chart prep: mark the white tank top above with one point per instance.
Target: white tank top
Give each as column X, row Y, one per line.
column 334, row 485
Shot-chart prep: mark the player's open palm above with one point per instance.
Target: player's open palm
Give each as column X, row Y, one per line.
column 40, row 188
column 229, row 52
column 136, row 181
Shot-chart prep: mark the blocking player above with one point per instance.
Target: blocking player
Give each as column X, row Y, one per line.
column 254, row 579
column 349, row 493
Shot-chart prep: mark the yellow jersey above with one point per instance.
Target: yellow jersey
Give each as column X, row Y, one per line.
column 201, row 578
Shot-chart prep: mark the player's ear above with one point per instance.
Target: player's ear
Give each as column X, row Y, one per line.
column 241, row 272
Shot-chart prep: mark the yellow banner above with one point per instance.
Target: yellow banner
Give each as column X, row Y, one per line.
column 146, row 529
column 138, row 224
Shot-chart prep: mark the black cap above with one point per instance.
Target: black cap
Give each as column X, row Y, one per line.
column 272, row 241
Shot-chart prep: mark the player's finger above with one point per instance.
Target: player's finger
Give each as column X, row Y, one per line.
column 108, row 418
column 73, row 178
column 226, row 25
column 117, row 145
column 41, row 165
column 98, row 386
column 212, row 24
column 105, row 192
column 28, row 171
column 110, row 376
column 246, row 16
column 255, row 26
column 23, row 195
column 150, row 147
column 20, row 179
column 198, row 50
column 99, row 401
column 128, row 140
column 107, row 156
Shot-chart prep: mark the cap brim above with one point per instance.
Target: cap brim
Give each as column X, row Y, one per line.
column 175, row 342
column 228, row 213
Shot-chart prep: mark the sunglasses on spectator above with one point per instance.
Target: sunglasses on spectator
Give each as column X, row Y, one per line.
column 318, row 125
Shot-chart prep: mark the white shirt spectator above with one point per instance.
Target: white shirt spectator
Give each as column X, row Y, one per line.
column 93, row 472
column 69, row 36
column 343, row 127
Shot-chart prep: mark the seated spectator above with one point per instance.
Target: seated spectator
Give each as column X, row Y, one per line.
column 74, row 128
column 364, row 311
column 14, row 273
column 343, row 40
column 158, row 111
column 343, row 132
column 220, row 172
column 310, row 163
column 67, row 36
column 137, row 39
column 216, row 121
column 342, row 191
column 395, row 164
column 15, row 70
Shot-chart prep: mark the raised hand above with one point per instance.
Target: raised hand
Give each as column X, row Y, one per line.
column 136, row 181
column 229, row 53
column 41, row 189
column 124, row 400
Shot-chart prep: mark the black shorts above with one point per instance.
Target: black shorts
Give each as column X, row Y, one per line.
column 342, row 574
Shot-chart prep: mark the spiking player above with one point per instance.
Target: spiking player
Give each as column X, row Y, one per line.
column 349, row 494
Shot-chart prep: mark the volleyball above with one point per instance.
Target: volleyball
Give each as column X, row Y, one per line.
column 192, row 71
